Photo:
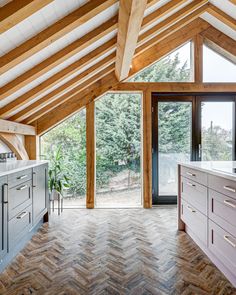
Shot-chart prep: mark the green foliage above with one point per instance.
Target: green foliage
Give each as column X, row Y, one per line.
column 57, row 179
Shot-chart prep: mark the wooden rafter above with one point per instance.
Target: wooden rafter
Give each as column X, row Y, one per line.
column 16, row 11
column 161, row 12
column 47, row 120
column 233, row 1
column 221, row 43
column 68, row 89
column 12, row 127
column 222, row 16
column 27, row 115
column 53, row 33
column 58, row 77
column 24, row 79
column 178, row 20
column 58, row 58
column 131, row 14
column 69, row 95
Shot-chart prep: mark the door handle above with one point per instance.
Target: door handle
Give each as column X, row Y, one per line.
column 230, row 203
column 191, row 209
column 230, row 189
column 227, row 239
column 22, row 176
column 5, row 193
column 191, row 184
column 34, row 179
column 22, row 187
column 22, row 215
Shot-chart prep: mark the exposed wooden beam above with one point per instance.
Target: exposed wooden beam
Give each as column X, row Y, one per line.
column 69, row 95
column 12, row 127
column 90, row 154
column 161, row 12
column 176, row 20
column 50, row 119
column 131, row 14
column 177, row 87
column 16, row 11
column 58, row 77
column 53, row 33
column 75, row 103
column 222, row 16
column 198, row 58
column 233, row 1
column 167, row 45
column 147, row 149
column 170, row 29
column 32, row 147
column 58, row 58
column 15, row 144
column 221, row 43
column 72, row 85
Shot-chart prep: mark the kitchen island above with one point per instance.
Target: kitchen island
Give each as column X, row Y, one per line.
column 207, row 210
column 24, row 204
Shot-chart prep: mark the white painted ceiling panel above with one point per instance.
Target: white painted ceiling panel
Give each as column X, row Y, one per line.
column 165, row 17
column 37, row 22
column 58, row 68
column 61, row 83
column 155, row 6
column 226, row 6
column 219, row 25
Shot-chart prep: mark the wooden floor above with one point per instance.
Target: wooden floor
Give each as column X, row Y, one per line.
column 102, row 251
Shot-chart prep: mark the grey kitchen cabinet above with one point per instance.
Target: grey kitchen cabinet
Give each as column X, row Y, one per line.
column 40, row 192
column 3, row 216
column 24, row 205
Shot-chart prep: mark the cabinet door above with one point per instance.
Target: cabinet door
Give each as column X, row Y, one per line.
column 40, row 192
column 3, row 216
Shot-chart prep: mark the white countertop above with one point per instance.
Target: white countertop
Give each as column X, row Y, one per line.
column 218, row 168
column 12, row 167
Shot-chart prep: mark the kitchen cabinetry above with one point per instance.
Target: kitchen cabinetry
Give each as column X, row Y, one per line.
column 24, row 205
column 207, row 211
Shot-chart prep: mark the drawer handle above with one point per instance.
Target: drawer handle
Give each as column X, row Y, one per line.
column 191, row 209
column 230, row 189
column 191, row 184
column 230, row 203
column 22, row 215
column 22, row 176
column 191, row 174
column 227, row 239
column 22, row 187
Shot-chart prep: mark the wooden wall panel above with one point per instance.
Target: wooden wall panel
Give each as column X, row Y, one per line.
column 90, row 154
column 147, row 149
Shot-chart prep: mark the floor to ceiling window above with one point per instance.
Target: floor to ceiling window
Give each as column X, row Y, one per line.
column 118, row 150
column 69, row 138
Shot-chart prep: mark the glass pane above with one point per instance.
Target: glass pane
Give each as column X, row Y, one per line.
column 70, row 136
column 175, row 67
column 174, row 142
column 217, row 136
column 118, row 150
column 216, row 68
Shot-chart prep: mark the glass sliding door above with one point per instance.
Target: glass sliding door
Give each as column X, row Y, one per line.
column 216, row 128
column 173, row 144
column 194, row 127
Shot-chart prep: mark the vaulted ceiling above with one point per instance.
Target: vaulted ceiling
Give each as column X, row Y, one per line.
column 55, row 56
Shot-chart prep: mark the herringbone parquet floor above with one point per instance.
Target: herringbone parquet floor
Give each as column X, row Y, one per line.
column 126, row 251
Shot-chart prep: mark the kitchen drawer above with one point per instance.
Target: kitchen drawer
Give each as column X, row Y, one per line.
column 195, row 175
column 19, row 226
column 195, row 220
column 19, row 197
column 223, row 185
column 222, row 210
column 223, row 246
column 195, row 194
column 19, row 177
